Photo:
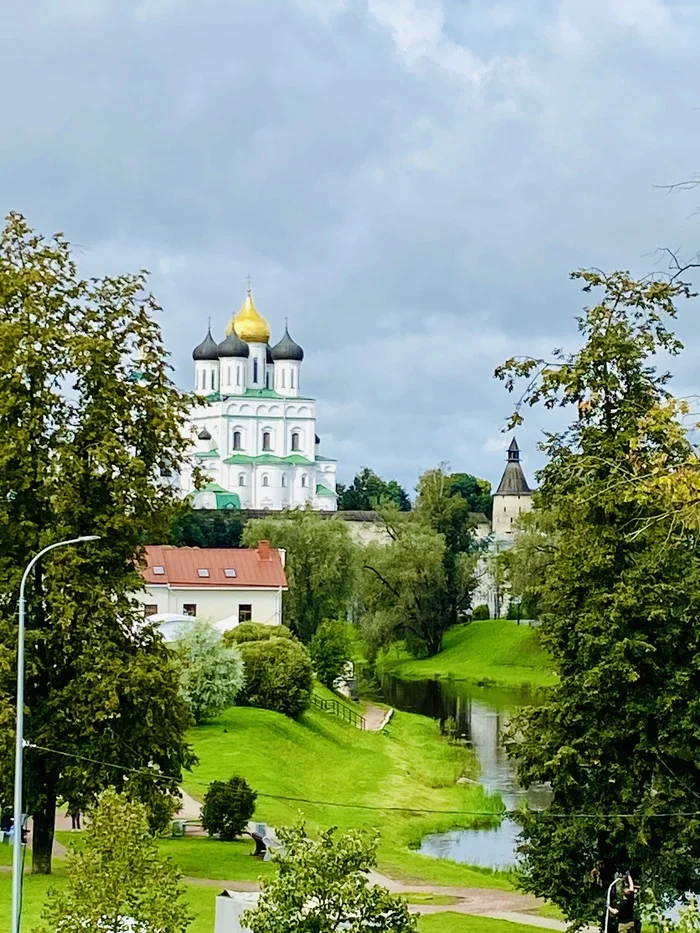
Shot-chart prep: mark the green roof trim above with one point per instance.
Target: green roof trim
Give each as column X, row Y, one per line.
column 214, row 397
column 261, row 393
column 270, row 459
column 227, row 500
column 207, row 455
column 324, row 491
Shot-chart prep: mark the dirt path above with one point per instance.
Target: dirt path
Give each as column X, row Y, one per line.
column 374, row 717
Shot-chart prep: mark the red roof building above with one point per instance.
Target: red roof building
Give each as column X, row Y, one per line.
column 225, row 586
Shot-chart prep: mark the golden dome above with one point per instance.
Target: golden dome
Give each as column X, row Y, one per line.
column 249, row 323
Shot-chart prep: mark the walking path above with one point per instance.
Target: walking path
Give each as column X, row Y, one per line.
column 374, row 717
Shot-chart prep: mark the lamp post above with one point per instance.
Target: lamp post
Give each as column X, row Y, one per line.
column 19, row 735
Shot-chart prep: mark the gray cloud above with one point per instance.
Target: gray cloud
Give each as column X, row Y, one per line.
column 410, row 181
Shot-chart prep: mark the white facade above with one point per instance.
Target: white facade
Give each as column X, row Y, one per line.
column 213, row 605
column 506, row 510
column 254, row 431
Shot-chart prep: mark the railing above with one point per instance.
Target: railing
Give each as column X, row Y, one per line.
column 338, row 709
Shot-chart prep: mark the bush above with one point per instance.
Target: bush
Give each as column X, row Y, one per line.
column 278, row 675
column 211, row 672
column 481, row 612
column 255, row 631
column 228, row 806
column 330, row 649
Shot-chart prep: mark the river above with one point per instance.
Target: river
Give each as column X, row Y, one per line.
column 481, row 714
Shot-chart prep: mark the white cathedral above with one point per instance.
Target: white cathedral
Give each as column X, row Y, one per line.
column 255, row 431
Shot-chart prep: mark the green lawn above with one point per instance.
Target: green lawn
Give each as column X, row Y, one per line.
column 465, row 923
column 491, row 652
column 320, row 758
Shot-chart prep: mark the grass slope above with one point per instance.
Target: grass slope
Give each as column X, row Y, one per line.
column 326, row 764
column 498, row 652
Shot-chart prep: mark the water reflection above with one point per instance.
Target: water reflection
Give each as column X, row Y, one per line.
column 481, row 715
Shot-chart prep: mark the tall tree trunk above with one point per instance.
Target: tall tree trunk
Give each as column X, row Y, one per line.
column 44, row 820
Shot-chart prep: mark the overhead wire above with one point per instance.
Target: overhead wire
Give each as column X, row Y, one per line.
column 159, row 775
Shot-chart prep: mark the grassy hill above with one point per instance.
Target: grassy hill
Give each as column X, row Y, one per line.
column 497, row 651
column 325, row 765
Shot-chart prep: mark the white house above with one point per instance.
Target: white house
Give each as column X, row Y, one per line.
column 219, row 585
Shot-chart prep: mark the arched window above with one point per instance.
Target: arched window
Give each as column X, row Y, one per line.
column 291, row 379
column 228, row 375
column 237, row 441
column 303, row 481
column 284, row 480
column 255, row 369
column 295, row 441
column 265, row 480
column 282, row 379
column 241, row 479
column 266, row 440
column 238, row 375
column 267, row 379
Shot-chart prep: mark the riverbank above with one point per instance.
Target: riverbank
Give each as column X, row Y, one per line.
column 493, row 652
column 401, row 782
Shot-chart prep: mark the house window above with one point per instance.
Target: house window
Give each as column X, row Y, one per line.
column 241, row 480
column 202, row 572
column 236, row 440
column 303, row 481
column 189, row 609
column 158, row 570
column 245, row 613
column 266, row 440
column 150, row 609
column 255, row 369
column 266, row 480
column 229, row 572
column 295, row 441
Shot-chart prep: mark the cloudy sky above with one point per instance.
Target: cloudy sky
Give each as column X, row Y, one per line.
column 409, row 181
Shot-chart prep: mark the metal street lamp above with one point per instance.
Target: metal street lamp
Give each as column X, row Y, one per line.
column 19, row 735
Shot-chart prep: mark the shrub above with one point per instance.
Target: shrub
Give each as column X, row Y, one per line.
column 255, row 631
column 330, row 649
column 211, row 672
column 278, row 675
column 481, row 612
column 228, row 806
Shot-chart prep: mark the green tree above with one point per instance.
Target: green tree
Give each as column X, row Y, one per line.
column 320, row 567
column 228, row 807
column 619, row 736
column 211, row 672
column 255, row 631
column 405, row 593
column 476, row 491
column 330, row 649
column 278, row 675
column 321, row 886
column 84, row 438
column 369, row 491
column 447, row 512
column 204, row 528
column 528, row 559
column 117, row 880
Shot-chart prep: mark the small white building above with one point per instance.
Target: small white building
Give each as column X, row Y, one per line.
column 231, row 585
column 513, row 495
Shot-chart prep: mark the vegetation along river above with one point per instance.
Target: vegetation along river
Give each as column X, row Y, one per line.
column 481, row 715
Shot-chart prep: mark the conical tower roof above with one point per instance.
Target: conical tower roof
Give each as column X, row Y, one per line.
column 287, row 349
column 513, row 482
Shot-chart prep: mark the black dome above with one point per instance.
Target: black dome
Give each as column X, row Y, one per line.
column 207, row 349
column 204, row 435
column 287, row 349
column 268, row 349
column 233, row 346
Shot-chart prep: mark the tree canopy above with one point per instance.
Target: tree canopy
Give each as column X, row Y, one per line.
column 477, row 492
column 211, row 672
column 320, row 567
column 117, row 880
column 618, row 738
column 369, row 491
column 88, row 419
column 321, row 886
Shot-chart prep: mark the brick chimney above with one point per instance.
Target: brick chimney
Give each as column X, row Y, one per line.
column 263, row 550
